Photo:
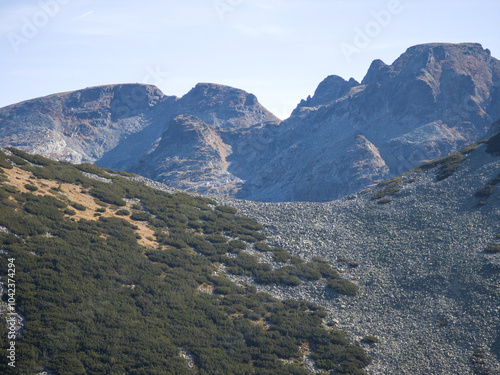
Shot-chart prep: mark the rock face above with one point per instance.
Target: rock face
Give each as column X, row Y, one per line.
column 225, row 109
column 431, row 101
column 137, row 128
column 190, row 155
column 79, row 126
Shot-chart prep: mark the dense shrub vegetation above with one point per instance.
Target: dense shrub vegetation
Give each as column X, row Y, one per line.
column 447, row 165
column 343, row 287
column 390, row 188
column 96, row 302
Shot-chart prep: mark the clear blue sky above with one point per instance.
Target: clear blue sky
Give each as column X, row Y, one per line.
column 279, row 50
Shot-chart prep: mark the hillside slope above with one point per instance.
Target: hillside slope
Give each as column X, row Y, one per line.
column 103, row 274
column 424, row 251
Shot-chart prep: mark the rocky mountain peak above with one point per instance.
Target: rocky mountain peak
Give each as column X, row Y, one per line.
column 429, row 61
column 190, row 155
column 185, row 129
column 433, row 100
column 226, row 107
column 377, row 72
column 460, row 79
column 330, row 89
column 79, row 125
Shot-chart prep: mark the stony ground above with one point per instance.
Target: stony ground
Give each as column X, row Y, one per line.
column 428, row 290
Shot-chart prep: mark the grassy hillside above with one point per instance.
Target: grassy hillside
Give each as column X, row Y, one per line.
column 113, row 277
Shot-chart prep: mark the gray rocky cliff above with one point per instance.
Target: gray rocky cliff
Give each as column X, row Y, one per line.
column 191, row 156
column 433, row 100
column 79, row 126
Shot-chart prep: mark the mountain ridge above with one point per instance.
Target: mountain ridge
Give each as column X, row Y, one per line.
column 431, row 101
column 422, row 107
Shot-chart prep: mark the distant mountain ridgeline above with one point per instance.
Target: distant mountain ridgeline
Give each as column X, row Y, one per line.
column 432, row 101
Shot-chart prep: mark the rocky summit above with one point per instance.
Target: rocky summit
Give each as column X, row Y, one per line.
column 433, row 100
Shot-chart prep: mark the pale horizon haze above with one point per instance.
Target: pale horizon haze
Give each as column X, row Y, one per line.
column 278, row 50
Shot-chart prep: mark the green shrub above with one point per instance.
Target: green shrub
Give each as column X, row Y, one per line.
column 91, row 168
column 261, row 246
column 281, row 256
column 236, row 245
column 227, row 209
column 141, row 216
column 109, row 194
column 35, row 159
column 216, row 238
column 245, row 238
column 17, row 160
column 122, row 212
column 31, row 187
column 127, row 174
column 56, row 190
column 387, row 191
column 447, row 165
column 78, row 206
column 384, row 201
column 392, row 182
column 10, row 203
column 309, row 271
column 343, row 286
column 100, row 203
column 10, row 189
column 370, row 340
column 492, row 248
column 4, row 163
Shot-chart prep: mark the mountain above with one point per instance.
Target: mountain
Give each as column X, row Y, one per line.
column 430, row 102
column 433, row 100
column 103, row 274
column 85, row 125
column 81, row 125
column 223, row 108
column 401, row 278
column 424, row 250
column 190, row 155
